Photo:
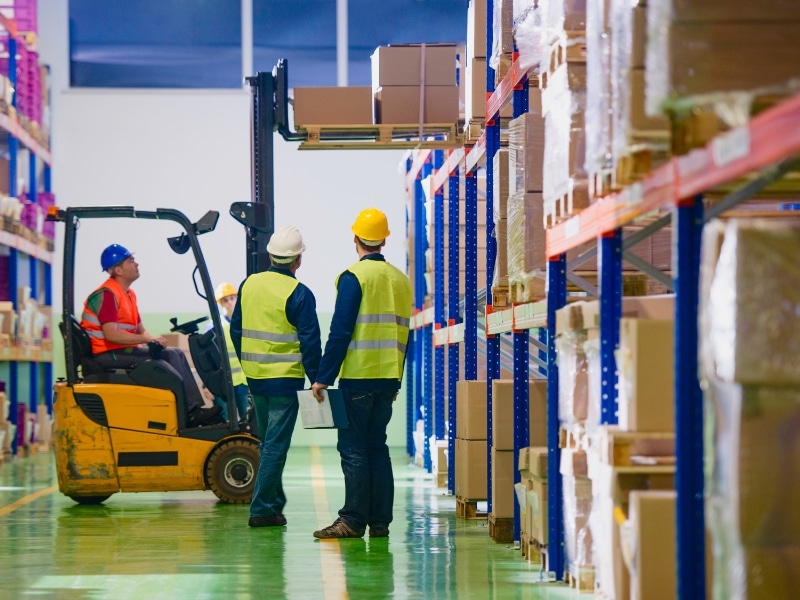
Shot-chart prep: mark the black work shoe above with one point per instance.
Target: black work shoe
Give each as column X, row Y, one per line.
column 270, row 521
column 205, row 416
column 339, row 529
column 378, row 531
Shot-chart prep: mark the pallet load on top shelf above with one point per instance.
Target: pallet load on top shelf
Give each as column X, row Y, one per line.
column 750, row 360
column 711, row 64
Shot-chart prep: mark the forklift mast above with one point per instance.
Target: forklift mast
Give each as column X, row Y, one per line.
column 269, row 112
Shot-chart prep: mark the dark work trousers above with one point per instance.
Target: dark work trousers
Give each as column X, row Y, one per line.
column 135, row 355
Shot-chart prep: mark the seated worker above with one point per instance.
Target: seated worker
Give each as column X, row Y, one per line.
column 226, row 296
column 119, row 339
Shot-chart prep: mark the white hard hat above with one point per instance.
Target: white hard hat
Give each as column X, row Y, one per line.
column 287, row 243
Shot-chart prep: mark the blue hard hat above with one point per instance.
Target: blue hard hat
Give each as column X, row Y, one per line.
column 113, row 255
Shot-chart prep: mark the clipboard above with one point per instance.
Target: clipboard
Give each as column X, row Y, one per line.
column 328, row 414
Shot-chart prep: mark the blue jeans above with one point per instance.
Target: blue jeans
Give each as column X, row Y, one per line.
column 241, row 398
column 276, row 417
column 368, row 477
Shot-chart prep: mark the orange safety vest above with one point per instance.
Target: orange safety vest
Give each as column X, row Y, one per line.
column 127, row 317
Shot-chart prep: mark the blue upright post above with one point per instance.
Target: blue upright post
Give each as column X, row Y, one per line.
column 610, row 259
column 33, row 368
column 521, row 419
column 689, row 405
column 521, row 350
column 453, row 268
column 471, row 277
column 420, row 291
column 411, row 350
column 426, row 331
column 438, row 297
column 556, row 298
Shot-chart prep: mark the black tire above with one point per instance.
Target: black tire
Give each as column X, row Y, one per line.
column 231, row 470
column 90, row 500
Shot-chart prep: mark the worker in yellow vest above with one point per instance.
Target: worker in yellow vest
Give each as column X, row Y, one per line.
column 366, row 350
column 275, row 332
column 226, row 296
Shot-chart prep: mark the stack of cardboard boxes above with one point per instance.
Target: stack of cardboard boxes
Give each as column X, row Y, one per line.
column 471, row 440
column 751, row 366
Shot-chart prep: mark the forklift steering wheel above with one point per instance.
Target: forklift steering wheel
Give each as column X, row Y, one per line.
column 188, row 327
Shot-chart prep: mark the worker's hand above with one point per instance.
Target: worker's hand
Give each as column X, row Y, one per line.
column 161, row 340
column 316, row 389
column 394, row 397
column 207, row 394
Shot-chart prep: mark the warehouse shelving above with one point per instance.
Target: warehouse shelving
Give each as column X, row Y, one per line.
column 30, row 369
column 766, row 147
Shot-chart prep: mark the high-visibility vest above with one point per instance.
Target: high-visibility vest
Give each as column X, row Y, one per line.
column 237, row 373
column 270, row 346
column 127, row 317
column 378, row 347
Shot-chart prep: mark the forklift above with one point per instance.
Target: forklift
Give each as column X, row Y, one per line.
column 127, row 430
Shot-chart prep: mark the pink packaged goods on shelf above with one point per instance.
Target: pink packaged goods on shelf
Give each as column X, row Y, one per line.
column 24, row 13
column 45, row 199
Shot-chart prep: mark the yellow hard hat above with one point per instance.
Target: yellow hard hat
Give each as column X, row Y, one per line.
column 371, row 225
column 224, row 290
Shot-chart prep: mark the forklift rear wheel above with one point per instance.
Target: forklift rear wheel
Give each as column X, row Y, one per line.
column 90, row 500
column 231, row 470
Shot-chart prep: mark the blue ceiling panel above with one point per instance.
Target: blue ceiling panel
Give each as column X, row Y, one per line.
column 197, row 43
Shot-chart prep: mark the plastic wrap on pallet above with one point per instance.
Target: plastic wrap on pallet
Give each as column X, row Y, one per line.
column 752, row 289
column 594, row 373
column 598, row 90
column 529, row 37
column 526, row 147
column 577, row 507
column 752, row 490
column 573, row 377
column 564, row 154
column 522, row 8
column 526, row 238
column 502, row 31
column 605, row 533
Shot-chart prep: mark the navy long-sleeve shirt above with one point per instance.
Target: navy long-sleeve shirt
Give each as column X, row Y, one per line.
column 301, row 312
column 345, row 312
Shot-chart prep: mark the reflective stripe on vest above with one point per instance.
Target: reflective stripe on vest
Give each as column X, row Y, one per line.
column 127, row 316
column 377, row 349
column 270, row 346
column 237, row 375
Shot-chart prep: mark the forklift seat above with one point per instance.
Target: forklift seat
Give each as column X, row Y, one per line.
column 149, row 373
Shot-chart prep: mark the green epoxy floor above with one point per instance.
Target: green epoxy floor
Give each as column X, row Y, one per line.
column 187, row 545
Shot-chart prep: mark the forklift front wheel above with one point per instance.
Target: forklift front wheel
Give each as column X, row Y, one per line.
column 90, row 500
column 231, row 470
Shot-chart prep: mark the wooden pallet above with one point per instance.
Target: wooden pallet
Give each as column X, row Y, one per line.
column 527, row 289
column 533, row 551
column 401, row 136
column 629, row 448
column 501, row 529
column 468, row 509
column 580, row 578
column 568, row 47
column 567, row 205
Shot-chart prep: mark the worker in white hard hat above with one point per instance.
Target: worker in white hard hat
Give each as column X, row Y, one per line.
column 226, row 296
column 275, row 332
column 366, row 351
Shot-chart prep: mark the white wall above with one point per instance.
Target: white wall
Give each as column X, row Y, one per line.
column 190, row 150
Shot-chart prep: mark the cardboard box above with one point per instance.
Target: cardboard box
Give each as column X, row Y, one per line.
column 732, row 10
column 526, row 149
column 332, row 106
column 471, row 471
column 646, row 360
column 533, row 461
column 573, row 463
column 400, row 105
column 503, row 495
column 403, row 66
column 652, row 515
column 475, row 93
column 471, row 409
column 503, row 413
column 537, row 505
column 476, row 30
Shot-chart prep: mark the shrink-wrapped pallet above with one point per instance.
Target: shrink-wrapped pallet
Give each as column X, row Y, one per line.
column 577, row 507
column 526, row 238
column 526, row 139
column 573, row 377
column 502, row 32
column 598, row 89
column 751, row 286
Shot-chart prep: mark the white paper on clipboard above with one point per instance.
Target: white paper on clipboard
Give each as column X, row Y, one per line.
column 315, row 414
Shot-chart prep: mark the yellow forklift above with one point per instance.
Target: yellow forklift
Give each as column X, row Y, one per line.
column 127, row 430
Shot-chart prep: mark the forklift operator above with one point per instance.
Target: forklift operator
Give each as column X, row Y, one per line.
column 119, row 339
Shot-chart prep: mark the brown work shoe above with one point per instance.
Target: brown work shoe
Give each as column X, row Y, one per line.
column 378, row 531
column 339, row 529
